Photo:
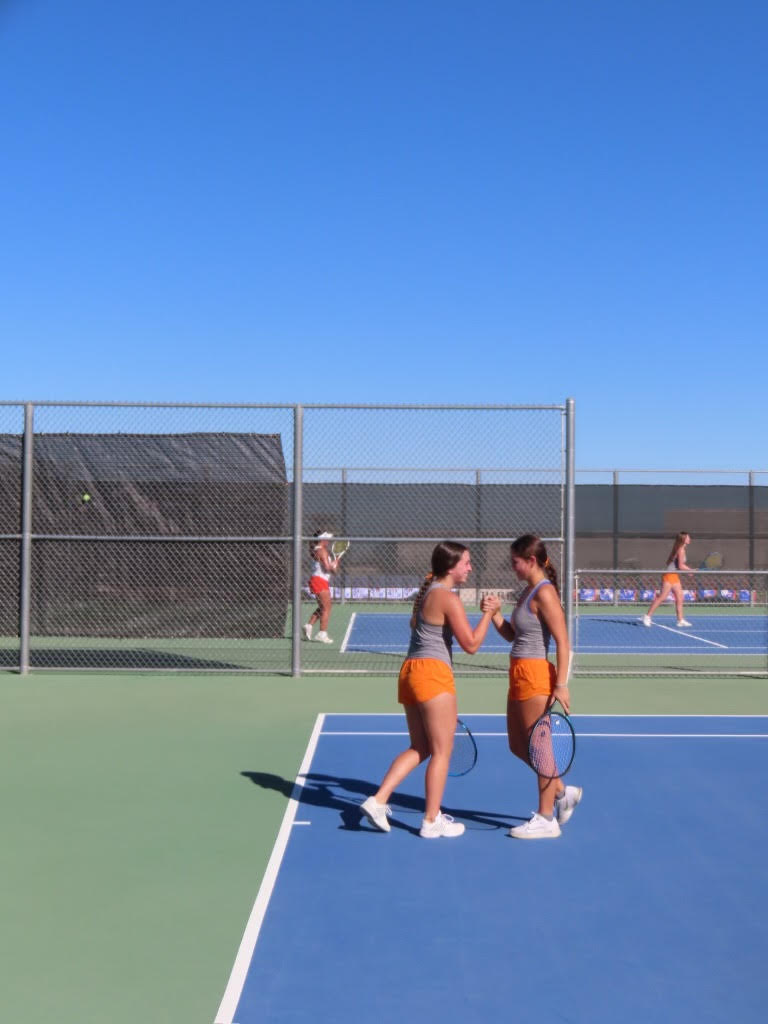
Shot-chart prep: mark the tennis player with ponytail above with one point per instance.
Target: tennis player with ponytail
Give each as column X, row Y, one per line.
column 670, row 581
column 427, row 691
column 534, row 682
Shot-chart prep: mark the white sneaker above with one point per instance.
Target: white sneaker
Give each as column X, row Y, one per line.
column 537, row 828
column 307, row 632
column 323, row 638
column 377, row 813
column 566, row 804
column 443, row 825
column 684, row 622
column 646, row 620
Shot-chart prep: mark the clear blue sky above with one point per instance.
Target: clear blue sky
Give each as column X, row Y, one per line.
column 358, row 200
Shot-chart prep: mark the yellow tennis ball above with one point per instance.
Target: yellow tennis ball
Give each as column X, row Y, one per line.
column 86, row 498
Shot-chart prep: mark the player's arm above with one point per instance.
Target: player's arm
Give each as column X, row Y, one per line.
column 329, row 563
column 503, row 626
column 547, row 605
column 469, row 639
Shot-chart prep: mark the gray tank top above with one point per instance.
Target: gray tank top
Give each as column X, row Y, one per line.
column 531, row 635
column 428, row 641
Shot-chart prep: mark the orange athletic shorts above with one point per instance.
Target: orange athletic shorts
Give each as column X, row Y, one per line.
column 671, row 578
column 421, row 679
column 317, row 584
column 531, row 677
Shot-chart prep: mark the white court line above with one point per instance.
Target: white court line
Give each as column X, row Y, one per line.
column 345, row 641
column 672, row 735
column 377, row 647
column 691, row 636
column 577, row 714
column 244, row 956
column 693, row 649
column 601, row 735
column 727, row 652
column 667, row 735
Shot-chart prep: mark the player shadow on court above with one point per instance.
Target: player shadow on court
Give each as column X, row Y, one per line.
column 111, row 658
column 330, row 791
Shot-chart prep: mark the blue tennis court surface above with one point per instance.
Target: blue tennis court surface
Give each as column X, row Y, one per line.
column 707, row 634
column 388, row 633
column 651, row 906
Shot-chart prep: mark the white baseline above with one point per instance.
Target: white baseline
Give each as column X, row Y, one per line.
column 244, row 956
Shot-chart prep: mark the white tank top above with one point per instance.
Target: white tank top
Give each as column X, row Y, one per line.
column 318, row 570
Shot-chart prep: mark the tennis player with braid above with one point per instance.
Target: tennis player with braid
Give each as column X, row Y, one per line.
column 534, row 682
column 324, row 565
column 427, row 691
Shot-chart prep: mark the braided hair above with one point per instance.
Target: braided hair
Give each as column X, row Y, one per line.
column 531, row 546
column 444, row 556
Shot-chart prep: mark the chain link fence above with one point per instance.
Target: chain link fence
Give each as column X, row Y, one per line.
column 626, row 518
column 176, row 537
column 444, row 486
column 724, row 630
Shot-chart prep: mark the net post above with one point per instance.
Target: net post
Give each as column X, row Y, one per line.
column 25, row 595
column 298, row 521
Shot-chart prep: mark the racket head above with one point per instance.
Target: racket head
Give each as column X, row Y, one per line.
column 551, row 744
column 339, row 547
column 464, row 753
column 714, row 560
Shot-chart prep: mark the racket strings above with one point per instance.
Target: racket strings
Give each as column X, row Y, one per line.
column 464, row 753
column 551, row 746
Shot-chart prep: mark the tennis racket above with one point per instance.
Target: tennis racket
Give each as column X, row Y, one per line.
column 551, row 743
column 464, row 753
column 339, row 548
column 714, row 560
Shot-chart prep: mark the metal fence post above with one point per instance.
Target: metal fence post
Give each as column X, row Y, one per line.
column 751, row 554
column 615, row 519
column 570, row 511
column 26, row 538
column 298, row 529
column 481, row 558
column 752, row 501
column 344, row 530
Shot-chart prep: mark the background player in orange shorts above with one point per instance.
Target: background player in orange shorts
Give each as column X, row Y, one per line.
column 670, row 581
column 534, row 682
column 427, row 691
column 323, row 567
